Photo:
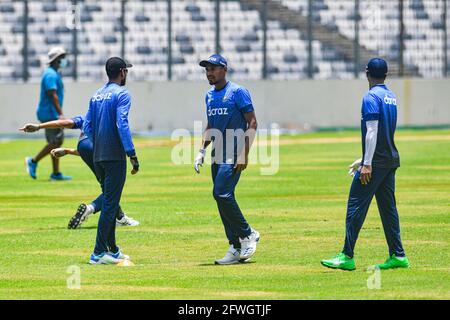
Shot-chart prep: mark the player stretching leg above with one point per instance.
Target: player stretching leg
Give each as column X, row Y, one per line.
column 376, row 176
column 229, row 108
column 84, row 149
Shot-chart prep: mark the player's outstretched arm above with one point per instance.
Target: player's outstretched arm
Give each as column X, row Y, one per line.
column 61, row 152
column 33, row 127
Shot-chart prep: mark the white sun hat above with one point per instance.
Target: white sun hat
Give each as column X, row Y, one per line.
column 55, row 53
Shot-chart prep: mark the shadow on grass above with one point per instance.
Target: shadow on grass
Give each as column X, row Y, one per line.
column 71, row 230
column 212, row 264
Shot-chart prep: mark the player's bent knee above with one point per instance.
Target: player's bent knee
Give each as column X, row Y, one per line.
column 55, row 144
column 222, row 196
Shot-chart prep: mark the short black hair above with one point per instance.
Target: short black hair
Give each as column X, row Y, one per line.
column 376, row 76
column 112, row 74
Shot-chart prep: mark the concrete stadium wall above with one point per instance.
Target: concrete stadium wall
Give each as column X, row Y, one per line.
column 163, row 106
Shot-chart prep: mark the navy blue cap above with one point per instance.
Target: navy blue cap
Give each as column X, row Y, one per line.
column 215, row 59
column 377, row 68
column 114, row 64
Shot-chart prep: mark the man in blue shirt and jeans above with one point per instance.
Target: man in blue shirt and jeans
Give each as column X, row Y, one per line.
column 106, row 125
column 50, row 108
column 231, row 126
column 375, row 175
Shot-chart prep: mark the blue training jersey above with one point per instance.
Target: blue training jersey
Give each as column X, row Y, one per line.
column 225, row 110
column 51, row 80
column 381, row 104
column 78, row 124
column 106, row 123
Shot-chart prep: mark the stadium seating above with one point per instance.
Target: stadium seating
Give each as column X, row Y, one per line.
column 146, row 26
column 379, row 28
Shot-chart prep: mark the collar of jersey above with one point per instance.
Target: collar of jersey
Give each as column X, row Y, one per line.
column 228, row 82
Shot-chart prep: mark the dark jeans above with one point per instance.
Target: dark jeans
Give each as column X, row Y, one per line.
column 86, row 150
column 382, row 186
column 112, row 176
column 225, row 181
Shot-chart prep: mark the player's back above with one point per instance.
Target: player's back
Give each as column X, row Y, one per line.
column 105, row 135
column 386, row 153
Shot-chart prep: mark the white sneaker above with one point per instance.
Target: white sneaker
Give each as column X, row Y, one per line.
column 104, row 258
column 248, row 245
column 119, row 255
column 231, row 257
column 126, row 222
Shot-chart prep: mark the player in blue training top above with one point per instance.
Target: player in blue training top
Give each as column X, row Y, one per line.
column 85, row 150
column 50, row 108
column 106, row 125
column 231, row 126
column 375, row 174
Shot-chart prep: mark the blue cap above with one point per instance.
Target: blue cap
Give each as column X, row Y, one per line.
column 377, row 68
column 215, row 59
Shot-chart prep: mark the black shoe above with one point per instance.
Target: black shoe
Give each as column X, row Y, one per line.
column 79, row 217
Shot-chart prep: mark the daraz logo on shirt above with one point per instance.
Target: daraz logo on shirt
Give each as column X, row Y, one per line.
column 102, row 96
column 389, row 100
column 217, row 111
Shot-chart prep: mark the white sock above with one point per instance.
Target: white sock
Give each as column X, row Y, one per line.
column 89, row 209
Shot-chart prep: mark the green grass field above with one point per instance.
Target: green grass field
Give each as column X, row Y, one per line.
column 300, row 213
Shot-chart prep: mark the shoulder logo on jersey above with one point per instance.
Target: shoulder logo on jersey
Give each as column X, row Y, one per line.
column 390, row 100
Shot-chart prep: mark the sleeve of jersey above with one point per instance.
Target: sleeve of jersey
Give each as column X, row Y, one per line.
column 87, row 123
column 78, row 122
column 50, row 82
column 371, row 141
column 370, row 108
column 123, row 108
column 244, row 100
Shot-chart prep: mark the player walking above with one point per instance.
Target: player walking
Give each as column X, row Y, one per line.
column 106, row 125
column 230, row 111
column 50, row 108
column 376, row 176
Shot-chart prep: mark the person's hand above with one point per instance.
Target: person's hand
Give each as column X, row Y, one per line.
column 30, row 127
column 58, row 152
column 354, row 167
column 366, row 174
column 239, row 166
column 135, row 163
column 199, row 160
